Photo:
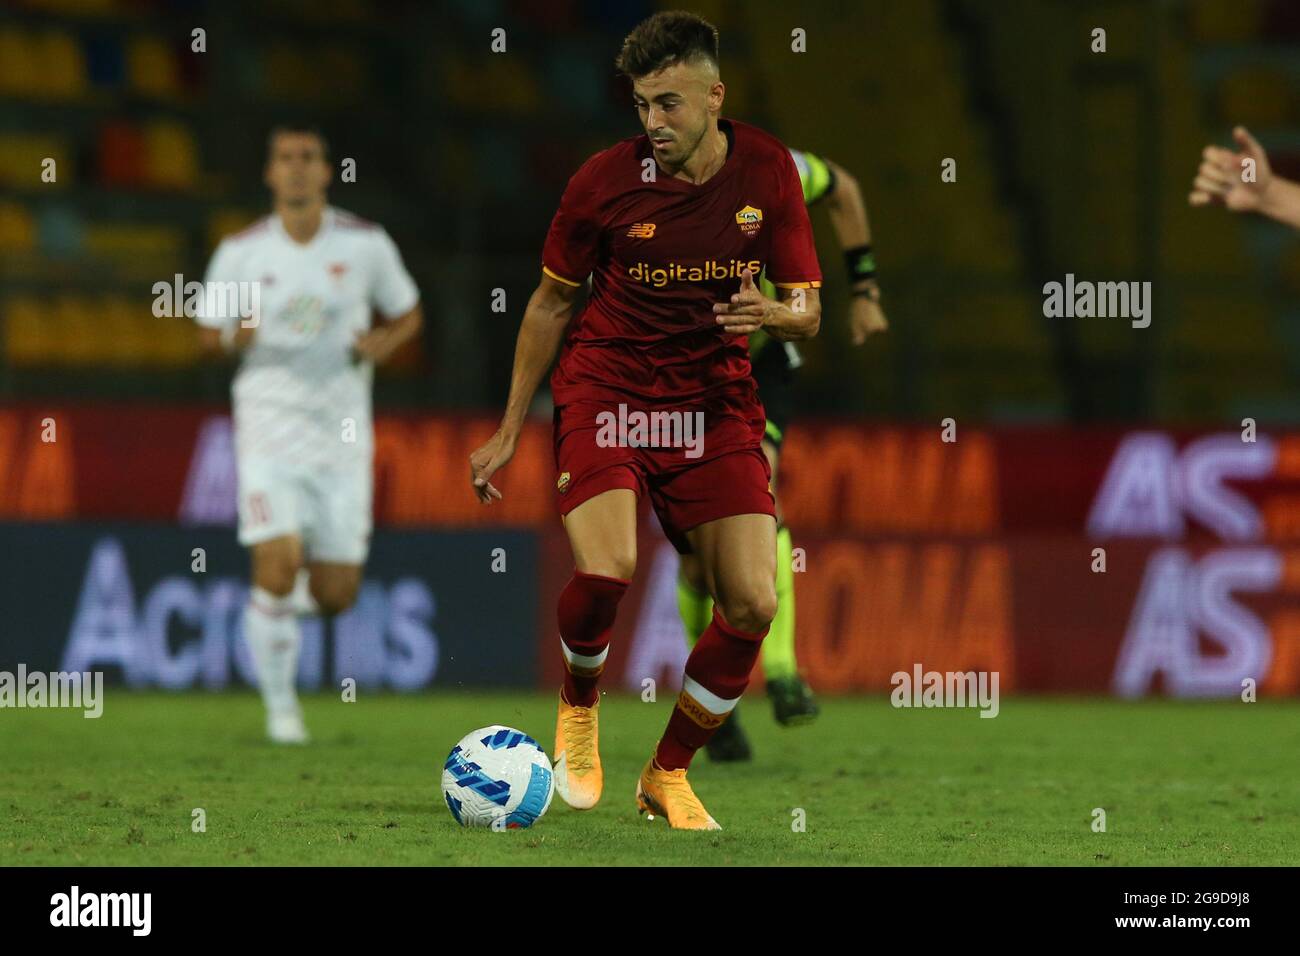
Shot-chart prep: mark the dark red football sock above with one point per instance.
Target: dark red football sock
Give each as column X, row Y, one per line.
column 717, row 670
column 586, row 614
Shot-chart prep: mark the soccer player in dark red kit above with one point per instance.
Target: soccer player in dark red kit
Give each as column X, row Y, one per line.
column 674, row 228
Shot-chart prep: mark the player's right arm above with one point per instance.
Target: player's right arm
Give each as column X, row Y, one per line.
column 221, row 334
column 547, row 316
column 1222, row 179
column 568, row 257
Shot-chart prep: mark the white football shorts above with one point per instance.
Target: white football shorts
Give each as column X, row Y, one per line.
column 329, row 509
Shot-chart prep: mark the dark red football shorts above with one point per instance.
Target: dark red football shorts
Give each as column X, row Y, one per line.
column 712, row 468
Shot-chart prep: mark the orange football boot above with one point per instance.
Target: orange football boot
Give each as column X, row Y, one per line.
column 666, row 793
column 578, row 776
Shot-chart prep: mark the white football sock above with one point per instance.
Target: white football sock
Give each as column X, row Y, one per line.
column 271, row 627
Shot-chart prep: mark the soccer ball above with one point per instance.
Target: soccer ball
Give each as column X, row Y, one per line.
column 497, row 777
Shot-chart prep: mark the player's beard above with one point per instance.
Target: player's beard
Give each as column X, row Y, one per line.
column 685, row 152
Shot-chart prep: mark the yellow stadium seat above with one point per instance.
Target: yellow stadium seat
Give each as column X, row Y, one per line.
column 151, row 68
column 122, row 344
column 17, row 230
column 80, row 340
column 29, row 338
column 63, row 67
column 173, row 342
column 20, row 71
column 22, row 161
column 171, row 156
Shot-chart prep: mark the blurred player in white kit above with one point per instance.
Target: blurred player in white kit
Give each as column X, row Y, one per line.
column 304, row 439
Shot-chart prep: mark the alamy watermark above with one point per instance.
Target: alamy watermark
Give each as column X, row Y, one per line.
column 210, row 300
column 946, row 689
column 71, row 689
column 1084, row 300
column 130, row 910
column 638, row 429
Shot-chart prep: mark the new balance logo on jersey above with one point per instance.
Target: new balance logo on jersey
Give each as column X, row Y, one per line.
column 642, row 230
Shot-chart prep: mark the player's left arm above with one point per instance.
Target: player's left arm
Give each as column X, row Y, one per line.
column 396, row 298
column 792, row 268
column 795, row 314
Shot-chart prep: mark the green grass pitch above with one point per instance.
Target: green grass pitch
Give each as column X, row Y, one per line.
column 1198, row 783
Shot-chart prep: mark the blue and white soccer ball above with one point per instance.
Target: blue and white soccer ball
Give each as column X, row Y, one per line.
column 497, row 777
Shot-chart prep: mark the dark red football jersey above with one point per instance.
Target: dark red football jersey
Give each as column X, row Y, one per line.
column 660, row 255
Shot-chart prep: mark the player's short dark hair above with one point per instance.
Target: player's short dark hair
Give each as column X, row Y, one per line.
column 294, row 128
column 672, row 36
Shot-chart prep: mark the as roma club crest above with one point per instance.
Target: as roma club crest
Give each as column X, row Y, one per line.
column 750, row 220
column 562, row 485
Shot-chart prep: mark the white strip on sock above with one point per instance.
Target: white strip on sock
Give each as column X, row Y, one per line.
column 707, row 699
column 271, row 627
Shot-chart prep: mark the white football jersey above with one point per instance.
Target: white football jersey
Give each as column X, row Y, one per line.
column 300, row 398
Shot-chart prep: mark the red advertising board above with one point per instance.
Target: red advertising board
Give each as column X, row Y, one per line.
column 1101, row 560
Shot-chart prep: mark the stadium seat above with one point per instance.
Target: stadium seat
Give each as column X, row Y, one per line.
column 17, row 229
column 80, row 339
column 118, row 331
column 19, row 63
column 170, row 156
column 29, row 338
column 63, row 66
column 173, row 342
column 121, row 154
column 501, row 84
column 22, row 158
column 151, row 68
